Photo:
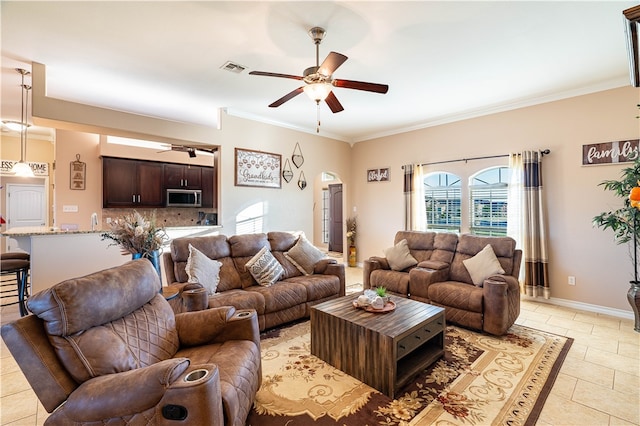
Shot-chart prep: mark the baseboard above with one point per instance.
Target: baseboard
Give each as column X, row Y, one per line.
column 619, row 313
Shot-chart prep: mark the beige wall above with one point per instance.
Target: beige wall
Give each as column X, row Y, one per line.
column 602, row 269
column 288, row 208
column 87, row 146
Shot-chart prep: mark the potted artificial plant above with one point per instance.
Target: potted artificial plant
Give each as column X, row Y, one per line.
column 625, row 224
column 351, row 238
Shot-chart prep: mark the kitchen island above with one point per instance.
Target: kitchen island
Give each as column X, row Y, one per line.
column 60, row 255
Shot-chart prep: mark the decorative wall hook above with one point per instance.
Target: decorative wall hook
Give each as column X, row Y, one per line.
column 297, row 157
column 287, row 174
column 302, row 182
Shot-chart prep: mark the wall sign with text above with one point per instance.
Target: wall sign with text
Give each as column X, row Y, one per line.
column 39, row 169
column 257, row 168
column 610, row 152
column 378, row 175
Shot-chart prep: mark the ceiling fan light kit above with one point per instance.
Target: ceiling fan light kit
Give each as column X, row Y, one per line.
column 318, row 91
column 22, row 168
column 319, row 81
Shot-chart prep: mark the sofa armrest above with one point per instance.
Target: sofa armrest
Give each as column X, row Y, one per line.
column 384, row 263
column 501, row 300
column 321, row 266
column 370, row 265
column 191, row 297
column 123, row 394
column 332, row 267
column 167, row 267
column 242, row 325
column 201, row 327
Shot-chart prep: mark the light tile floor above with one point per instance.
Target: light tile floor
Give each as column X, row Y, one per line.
column 598, row 384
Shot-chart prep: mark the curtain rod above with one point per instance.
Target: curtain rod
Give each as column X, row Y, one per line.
column 544, row 152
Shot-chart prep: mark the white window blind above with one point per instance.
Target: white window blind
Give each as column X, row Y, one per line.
column 488, row 202
column 442, row 201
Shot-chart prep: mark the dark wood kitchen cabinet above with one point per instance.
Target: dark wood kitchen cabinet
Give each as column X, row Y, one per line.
column 132, row 183
column 182, row 176
column 208, row 187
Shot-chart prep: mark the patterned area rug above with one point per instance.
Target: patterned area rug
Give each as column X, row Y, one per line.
column 480, row 380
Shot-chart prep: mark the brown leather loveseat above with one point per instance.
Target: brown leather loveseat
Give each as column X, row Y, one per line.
column 286, row 300
column 440, row 277
column 108, row 349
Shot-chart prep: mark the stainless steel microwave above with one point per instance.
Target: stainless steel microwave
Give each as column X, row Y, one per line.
column 184, row 198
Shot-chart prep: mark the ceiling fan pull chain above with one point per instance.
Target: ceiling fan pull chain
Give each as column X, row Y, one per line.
column 318, row 127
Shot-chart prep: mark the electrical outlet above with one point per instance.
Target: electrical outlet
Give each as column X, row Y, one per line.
column 108, row 220
column 571, row 280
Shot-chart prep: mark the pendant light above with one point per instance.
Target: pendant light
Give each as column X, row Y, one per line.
column 22, row 168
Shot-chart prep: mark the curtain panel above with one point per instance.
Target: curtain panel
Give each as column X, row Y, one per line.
column 414, row 202
column 527, row 221
column 408, row 195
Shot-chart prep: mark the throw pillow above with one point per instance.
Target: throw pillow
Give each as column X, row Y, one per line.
column 399, row 256
column 483, row 265
column 304, row 255
column 201, row 269
column 265, row 268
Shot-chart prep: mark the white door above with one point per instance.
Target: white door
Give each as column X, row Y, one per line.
column 26, row 205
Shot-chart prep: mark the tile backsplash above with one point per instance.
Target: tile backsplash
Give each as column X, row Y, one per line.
column 168, row 217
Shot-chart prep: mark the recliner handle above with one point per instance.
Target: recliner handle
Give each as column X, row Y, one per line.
column 174, row 412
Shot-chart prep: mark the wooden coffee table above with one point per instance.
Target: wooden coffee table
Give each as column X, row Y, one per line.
column 383, row 350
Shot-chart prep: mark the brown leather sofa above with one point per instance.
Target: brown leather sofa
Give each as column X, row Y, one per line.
column 108, row 349
column 441, row 278
column 287, row 300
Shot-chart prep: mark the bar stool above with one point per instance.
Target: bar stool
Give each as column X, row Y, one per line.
column 18, row 263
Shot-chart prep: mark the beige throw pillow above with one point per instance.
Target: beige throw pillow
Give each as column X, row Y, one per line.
column 304, row 255
column 201, row 269
column 265, row 268
column 483, row 265
column 399, row 256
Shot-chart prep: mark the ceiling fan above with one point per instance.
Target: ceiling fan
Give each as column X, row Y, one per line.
column 319, row 82
column 191, row 150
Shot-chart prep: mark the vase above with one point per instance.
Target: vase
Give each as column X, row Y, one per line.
column 153, row 257
column 633, row 296
column 352, row 256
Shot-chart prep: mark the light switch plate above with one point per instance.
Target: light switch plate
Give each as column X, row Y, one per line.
column 69, row 209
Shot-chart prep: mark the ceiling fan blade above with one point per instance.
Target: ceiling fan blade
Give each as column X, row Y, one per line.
column 333, row 103
column 361, row 85
column 331, row 63
column 273, row 74
column 286, row 97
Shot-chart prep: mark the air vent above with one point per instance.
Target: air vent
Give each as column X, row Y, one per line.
column 233, row 67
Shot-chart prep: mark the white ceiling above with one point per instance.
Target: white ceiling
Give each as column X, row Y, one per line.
column 442, row 60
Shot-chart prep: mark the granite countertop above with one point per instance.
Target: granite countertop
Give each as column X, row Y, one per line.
column 28, row 231
column 44, row 230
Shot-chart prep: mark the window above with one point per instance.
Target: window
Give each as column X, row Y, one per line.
column 488, row 191
column 442, row 193
column 325, row 216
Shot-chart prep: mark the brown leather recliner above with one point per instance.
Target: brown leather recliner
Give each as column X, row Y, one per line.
column 108, row 349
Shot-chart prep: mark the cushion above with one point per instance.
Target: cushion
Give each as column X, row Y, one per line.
column 265, row 268
column 201, row 269
column 304, row 255
column 399, row 257
column 483, row 265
